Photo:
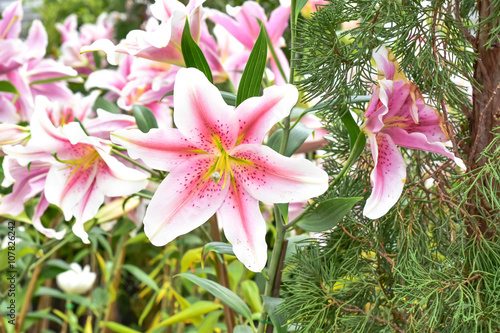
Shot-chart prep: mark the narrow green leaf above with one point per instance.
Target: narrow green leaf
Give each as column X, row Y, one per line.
column 298, row 7
column 275, row 57
column 106, row 105
column 352, row 127
column 170, row 93
column 298, row 135
column 208, row 324
column 8, row 87
column 54, row 79
column 193, row 56
column 118, row 328
column 141, row 276
column 58, row 294
column 225, row 295
column 144, row 118
column 251, row 295
column 58, row 263
column 147, row 308
column 278, row 319
column 229, row 98
column 328, row 214
column 251, row 78
column 197, row 309
column 283, row 207
column 42, row 314
column 218, row 247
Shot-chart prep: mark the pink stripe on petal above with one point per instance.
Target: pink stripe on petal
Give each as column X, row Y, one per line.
column 373, row 105
column 381, row 56
column 418, row 140
column 161, row 149
column 66, row 188
column 43, row 132
column 271, row 177
column 400, row 101
column 10, row 24
column 388, row 177
column 37, row 40
column 257, row 115
column 244, row 227
column 235, row 27
column 201, row 114
column 183, row 201
column 278, row 22
column 86, row 209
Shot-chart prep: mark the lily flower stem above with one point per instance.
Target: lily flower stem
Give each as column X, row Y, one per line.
column 115, row 276
column 27, row 298
column 273, row 266
column 280, row 225
column 222, row 275
column 125, row 157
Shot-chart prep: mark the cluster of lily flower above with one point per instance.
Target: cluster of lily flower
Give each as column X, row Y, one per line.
column 59, row 150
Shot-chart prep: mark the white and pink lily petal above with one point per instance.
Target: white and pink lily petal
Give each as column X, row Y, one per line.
column 10, row 24
column 15, row 52
column 217, row 164
column 397, row 116
column 82, row 172
column 85, row 175
column 13, row 134
column 28, row 182
column 243, row 23
column 68, row 29
column 160, row 41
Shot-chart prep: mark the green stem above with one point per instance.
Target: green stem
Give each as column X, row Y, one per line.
column 54, row 249
column 280, row 225
column 273, row 265
column 356, row 151
column 125, row 157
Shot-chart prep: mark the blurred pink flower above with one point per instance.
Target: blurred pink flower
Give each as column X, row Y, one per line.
column 161, row 41
column 138, row 81
column 242, row 22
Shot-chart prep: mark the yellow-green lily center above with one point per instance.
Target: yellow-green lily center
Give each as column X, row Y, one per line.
column 81, row 162
column 221, row 169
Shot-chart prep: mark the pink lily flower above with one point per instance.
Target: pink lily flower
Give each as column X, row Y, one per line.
column 217, row 164
column 242, row 22
column 83, row 172
column 232, row 54
column 15, row 52
column 160, row 41
column 138, row 81
column 28, row 182
column 397, row 116
column 73, row 40
column 13, row 134
column 13, row 49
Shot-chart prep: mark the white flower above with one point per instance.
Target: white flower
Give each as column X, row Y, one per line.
column 76, row 280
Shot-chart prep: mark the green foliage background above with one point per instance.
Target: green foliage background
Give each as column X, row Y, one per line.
column 417, row 269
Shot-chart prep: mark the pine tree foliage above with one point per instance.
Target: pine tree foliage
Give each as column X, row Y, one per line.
column 422, row 267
